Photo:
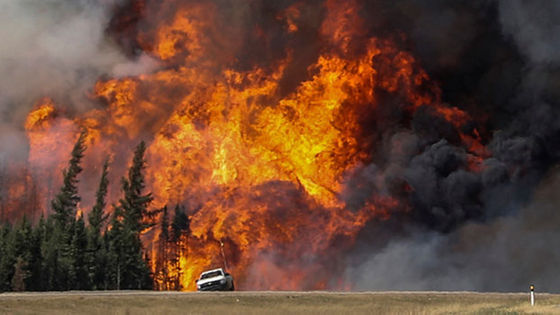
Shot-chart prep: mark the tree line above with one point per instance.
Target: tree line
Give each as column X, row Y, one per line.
column 64, row 252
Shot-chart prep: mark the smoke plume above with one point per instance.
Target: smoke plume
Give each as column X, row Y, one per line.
column 498, row 228
column 504, row 254
column 54, row 48
column 417, row 141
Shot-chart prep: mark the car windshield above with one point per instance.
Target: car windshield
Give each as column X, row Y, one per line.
column 211, row 274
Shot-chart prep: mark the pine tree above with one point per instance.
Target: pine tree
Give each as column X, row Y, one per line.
column 78, row 273
column 96, row 252
column 128, row 269
column 35, row 281
column 114, row 241
column 96, row 217
column 62, row 241
column 104, row 282
column 3, row 190
column 66, row 201
column 28, row 248
column 59, row 260
column 20, row 274
column 2, row 255
column 7, row 257
column 133, row 271
column 23, row 239
column 135, row 203
column 50, row 253
column 14, row 266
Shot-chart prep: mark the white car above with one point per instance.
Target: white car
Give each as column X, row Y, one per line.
column 215, row 280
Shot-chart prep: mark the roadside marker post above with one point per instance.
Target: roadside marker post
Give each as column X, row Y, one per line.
column 532, row 287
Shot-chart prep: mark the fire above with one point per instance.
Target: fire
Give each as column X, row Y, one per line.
column 183, row 34
column 39, row 117
column 291, row 15
column 51, row 137
column 261, row 171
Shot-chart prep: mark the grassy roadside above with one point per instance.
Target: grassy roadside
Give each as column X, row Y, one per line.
column 106, row 303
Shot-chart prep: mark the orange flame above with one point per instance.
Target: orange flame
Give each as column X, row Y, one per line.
column 262, row 172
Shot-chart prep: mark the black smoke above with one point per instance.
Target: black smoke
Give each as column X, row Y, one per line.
column 489, row 230
column 498, row 61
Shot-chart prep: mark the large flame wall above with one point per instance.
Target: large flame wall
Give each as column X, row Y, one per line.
column 259, row 152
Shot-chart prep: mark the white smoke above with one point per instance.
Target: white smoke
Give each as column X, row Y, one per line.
column 534, row 26
column 55, row 48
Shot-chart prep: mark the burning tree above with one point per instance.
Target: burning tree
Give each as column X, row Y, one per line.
column 171, row 248
column 288, row 131
column 262, row 165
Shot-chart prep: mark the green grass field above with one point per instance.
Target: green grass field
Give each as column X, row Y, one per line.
column 133, row 302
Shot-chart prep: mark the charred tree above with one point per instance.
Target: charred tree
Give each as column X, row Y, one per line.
column 180, row 230
column 161, row 277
